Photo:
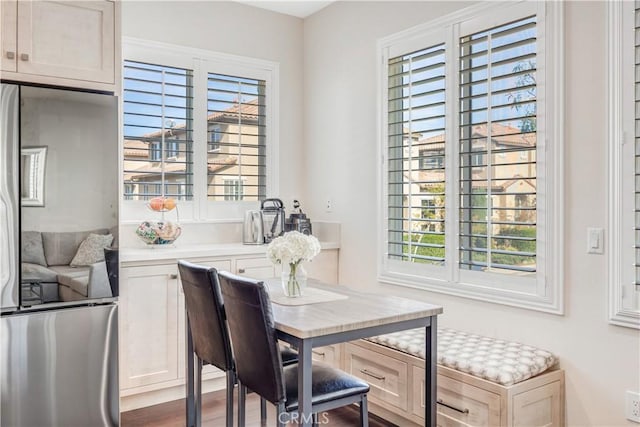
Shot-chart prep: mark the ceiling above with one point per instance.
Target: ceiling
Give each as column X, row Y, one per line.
column 299, row 8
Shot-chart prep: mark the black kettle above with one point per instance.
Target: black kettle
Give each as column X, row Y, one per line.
column 273, row 218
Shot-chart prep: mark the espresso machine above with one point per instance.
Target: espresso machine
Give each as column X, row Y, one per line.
column 298, row 220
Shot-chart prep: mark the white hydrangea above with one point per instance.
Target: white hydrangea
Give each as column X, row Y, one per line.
column 292, row 248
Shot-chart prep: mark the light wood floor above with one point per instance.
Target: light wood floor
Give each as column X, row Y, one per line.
column 172, row 414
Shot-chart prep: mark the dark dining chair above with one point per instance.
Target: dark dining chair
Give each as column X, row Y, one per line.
column 209, row 334
column 111, row 260
column 259, row 365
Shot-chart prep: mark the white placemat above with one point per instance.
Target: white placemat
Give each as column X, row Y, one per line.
column 311, row 296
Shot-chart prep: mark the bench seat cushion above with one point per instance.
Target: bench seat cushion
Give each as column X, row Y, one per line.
column 498, row 361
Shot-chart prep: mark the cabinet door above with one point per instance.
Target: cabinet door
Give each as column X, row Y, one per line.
column 8, row 34
column 256, row 268
column 324, row 267
column 72, row 39
column 149, row 332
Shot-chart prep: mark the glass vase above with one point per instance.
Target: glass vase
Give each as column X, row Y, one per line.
column 294, row 279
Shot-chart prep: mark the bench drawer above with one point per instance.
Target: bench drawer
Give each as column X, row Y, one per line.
column 459, row 404
column 386, row 376
column 329, row 354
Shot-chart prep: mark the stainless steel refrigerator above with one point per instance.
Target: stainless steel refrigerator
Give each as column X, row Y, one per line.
column 58, row 358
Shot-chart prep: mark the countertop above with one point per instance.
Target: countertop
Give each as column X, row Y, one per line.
column 177, row 251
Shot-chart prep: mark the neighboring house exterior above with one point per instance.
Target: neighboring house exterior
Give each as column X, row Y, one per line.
column 235, row 158
column 513, row 177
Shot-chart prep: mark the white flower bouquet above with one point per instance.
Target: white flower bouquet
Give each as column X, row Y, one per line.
column 289, row 250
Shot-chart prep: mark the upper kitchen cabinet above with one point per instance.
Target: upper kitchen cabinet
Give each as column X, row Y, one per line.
column 63, row 43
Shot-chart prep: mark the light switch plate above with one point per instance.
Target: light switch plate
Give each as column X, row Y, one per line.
column 595, row 240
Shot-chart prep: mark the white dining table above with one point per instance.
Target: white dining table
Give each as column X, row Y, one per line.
column 360, row 315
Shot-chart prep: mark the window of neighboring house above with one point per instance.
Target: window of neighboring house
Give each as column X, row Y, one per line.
column 237, row 104
column 431, row 159
column 193, row 122
column 129, row 191
column 158, row 127
column 215, row 137
column 479, row 227
column 233, row 189
column 624, row 155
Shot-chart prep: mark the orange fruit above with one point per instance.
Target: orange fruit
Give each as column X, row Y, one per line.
column 169, row 204
column 157, row 203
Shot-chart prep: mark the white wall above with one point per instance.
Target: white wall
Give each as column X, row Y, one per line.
column 340, row 162
column 81, row 172
column 236, row 29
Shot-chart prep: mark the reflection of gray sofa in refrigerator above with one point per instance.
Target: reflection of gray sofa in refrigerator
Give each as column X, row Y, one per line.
column 51, row 259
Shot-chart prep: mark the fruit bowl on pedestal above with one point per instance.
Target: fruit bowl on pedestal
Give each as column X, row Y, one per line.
column 157, row 233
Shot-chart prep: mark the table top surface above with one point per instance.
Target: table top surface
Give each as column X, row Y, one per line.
column 360, row 310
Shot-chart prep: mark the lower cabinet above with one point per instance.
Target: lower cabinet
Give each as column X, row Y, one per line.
column 152, row 326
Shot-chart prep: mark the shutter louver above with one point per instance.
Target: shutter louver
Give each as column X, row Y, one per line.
column 497, row 137
column 236, row 138
column 416, row 156
column 158, row 131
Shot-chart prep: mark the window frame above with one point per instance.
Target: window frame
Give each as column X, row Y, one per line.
column 621, row 166
column 202, row 62
column 546, row 292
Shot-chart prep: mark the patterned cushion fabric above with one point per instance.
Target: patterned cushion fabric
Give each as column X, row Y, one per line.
column 91, row 250
column 499, row 361
column 32, row 250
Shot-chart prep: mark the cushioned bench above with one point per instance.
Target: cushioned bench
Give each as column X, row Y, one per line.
column 502, row 362
column 481, row 381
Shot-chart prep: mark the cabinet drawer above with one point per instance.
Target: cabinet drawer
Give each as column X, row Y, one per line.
column 256, row 268
column 459, row 404
column 330, row 354
column 386, row 376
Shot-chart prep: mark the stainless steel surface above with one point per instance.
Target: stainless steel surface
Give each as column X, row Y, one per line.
column 9, row 209
column 60, row 367
column 272, row 218
column 252, row 230
column 11, row 55
column 58, row 359
column 24, row 56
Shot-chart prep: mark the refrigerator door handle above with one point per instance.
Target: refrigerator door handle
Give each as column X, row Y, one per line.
column 9, row 196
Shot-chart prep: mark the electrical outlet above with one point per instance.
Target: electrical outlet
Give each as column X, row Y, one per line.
column 328, row 205
column 633, row 406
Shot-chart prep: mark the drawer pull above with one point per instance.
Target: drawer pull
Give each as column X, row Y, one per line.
column 173, row 276
column 371, row 374
column 24, row 56
column 241, row 271
column 11, row 55
column 462, row 411
column 318, row 353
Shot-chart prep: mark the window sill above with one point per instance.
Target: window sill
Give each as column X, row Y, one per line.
column 475, row 292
